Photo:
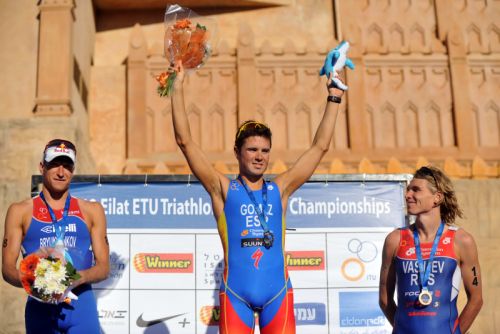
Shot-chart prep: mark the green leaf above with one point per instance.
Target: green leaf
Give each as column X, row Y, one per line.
column 73, row 275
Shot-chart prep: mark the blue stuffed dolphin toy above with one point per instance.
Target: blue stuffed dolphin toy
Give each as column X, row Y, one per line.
column 335, row 61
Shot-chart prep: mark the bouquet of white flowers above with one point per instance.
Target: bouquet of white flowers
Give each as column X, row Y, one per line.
column 47, row 276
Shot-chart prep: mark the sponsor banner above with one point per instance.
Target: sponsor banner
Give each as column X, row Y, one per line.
column 308, row 314
column 356, row 311
column 305, row 260
column 360, row 309
column 346, row 204
column 162, row 311
column 166, row 258
column 354, row 259
column 118, row 263
column 310, row 310
column 210, row 315
column 310, row 249
column 182, row 206
column 162, row 261
column 209, row 262
column 207, row 311
column 165, row 205
column 112, row 307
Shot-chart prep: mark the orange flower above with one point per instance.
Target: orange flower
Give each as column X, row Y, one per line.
column 28, row 265
column 182, row 24
column 27, row 284
column 27, row 268
column 162, row 79
column 185, row 42
column 166, row 82
column 196, row 49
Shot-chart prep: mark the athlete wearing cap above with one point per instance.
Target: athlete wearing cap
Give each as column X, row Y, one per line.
column 250, row 217
column 59, row 148
column 428, row 260
column 84, row 238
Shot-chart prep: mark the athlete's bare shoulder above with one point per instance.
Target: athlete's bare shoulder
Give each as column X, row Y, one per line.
column 22, row 207
column 464, row 243
column 25, row 203
column 462, row 235
column 92, row 211
column 90, row 206
column 394, row 237
column 19, row 214
column 392, row 242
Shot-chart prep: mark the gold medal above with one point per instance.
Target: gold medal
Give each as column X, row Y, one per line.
column 425, row 297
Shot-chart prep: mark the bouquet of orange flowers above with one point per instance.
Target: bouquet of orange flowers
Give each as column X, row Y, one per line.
column 47, row 276
column 187, row 39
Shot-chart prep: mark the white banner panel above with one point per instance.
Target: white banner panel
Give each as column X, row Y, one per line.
column 167, row 259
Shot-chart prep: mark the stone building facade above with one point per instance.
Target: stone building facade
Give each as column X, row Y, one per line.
column 425, row 90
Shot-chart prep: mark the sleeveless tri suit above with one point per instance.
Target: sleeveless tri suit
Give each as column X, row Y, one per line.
column 81, row 315
column 255, row 278
column 441, row 316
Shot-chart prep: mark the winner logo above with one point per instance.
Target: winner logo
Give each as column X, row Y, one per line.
column 163, row 263
column 305, row 260
column 210, row 315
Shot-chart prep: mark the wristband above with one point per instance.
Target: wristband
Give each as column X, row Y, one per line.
column 334, row 99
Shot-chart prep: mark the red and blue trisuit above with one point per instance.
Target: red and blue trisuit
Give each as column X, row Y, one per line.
column 81, row 316
column 441, row 316
column 255, row 278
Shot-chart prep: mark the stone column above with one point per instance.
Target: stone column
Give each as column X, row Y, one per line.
column 466, row 136
column 356, row 104
column 460, row 79
column 247, row 74
column 136, row 94
column 55, row 58
column 444, row 14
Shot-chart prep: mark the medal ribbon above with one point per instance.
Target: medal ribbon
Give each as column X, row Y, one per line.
column 60, row 227
column 424, row 276
column 262, row 214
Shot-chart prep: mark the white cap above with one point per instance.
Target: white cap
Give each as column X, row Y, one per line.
column 59, row 150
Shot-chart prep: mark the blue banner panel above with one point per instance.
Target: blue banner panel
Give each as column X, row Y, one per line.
column 165, row 205
column 346, row 204
column 360, row 309
column 309, row 314
column 187, row 206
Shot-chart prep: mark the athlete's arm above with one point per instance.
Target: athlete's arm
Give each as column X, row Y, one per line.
column 212, row 180
column 11, row 243
column 304, row 167
column 471, row 276
column 94, row 212
column 387, row 282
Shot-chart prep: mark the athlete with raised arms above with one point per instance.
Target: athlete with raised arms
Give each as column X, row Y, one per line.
column 250, row 215
column 34, row 223
column 427, row 261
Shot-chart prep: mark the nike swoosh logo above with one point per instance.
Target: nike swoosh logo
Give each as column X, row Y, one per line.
column 147, row 323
